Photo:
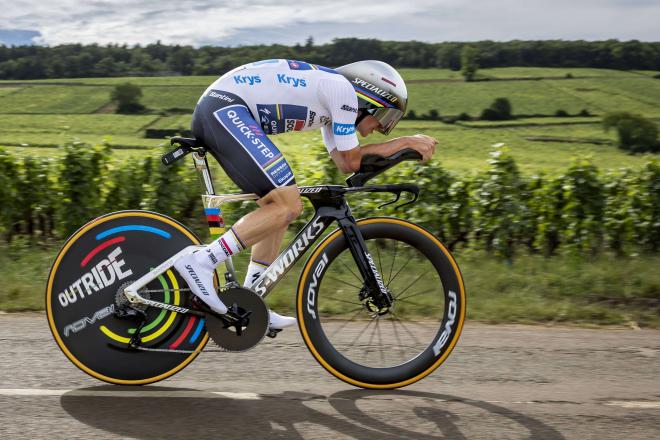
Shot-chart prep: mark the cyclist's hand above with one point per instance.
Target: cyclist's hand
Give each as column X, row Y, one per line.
column 423, row 144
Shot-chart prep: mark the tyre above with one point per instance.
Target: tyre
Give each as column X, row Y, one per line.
column 103, row 256
column 382, row 348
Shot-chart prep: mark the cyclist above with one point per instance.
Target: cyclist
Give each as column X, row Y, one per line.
column 233, row 117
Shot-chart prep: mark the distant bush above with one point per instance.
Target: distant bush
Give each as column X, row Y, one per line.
column 561, row 113
column 656, row 76
column 463, row 117
column 432, row 115
column 568, row 75
column 499, row 110
column 636, row 133
column 584, row 112
column 128, row 97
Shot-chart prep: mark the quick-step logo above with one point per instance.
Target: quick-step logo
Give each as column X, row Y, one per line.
column 104, row 274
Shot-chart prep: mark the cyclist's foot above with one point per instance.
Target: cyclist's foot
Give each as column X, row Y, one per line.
column 278, row 322
column 198, row 269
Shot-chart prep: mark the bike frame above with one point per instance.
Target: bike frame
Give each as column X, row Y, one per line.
column 330, row 205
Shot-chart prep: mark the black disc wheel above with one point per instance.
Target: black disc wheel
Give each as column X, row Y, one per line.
column 93, row 323
column 373, row 346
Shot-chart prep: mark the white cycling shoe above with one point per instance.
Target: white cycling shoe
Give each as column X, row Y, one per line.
column 279, row 322
column 198, row 269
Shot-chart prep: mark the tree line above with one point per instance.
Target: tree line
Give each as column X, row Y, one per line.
column 78, row 61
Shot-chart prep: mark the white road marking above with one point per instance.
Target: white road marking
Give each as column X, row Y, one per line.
column 641, row 404
column 129, row 393
column 198, row 394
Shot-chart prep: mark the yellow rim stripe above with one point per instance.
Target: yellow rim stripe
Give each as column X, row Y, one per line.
column 112, row 335
column 303, row 329
column 170, row 319
column 49, row 292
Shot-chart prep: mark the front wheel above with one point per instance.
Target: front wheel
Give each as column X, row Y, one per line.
column 372, row 347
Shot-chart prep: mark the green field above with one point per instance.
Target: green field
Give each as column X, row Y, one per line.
column 48, row 113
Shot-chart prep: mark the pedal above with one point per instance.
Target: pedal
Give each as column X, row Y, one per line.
column 272, row 332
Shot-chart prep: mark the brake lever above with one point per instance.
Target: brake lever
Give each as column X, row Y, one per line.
column 414, row 192
column 398, row 196
column 416, row 196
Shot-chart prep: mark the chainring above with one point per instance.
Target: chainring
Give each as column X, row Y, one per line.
column 248, row 332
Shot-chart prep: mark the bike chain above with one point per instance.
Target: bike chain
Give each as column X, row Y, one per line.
column 167, row 350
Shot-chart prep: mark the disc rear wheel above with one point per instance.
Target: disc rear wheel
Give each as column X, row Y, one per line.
column 93, row 323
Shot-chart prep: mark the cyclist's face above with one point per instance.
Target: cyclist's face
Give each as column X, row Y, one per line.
column 367, row 125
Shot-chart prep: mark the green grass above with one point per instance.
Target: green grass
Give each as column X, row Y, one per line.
column 463, row 146
column 544, row 121
column 172, row 122
column 55, row 99
column 172, row 97
column 562, row 289
column 598, row 96
column 97, row 123
column 555, row 72
column 142, row 81
column 460, row 149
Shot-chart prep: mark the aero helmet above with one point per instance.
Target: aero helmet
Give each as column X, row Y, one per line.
column 380, row 90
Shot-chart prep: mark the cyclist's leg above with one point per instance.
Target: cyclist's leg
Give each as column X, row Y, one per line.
column 255, row 164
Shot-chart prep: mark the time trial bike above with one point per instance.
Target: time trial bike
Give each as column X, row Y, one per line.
column 380, row 301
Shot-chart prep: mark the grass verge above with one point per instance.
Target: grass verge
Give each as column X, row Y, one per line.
column 603, row 290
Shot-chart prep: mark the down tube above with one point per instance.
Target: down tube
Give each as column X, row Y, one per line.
column 285, row 261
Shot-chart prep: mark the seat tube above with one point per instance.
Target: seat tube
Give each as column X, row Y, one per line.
column 213, row 214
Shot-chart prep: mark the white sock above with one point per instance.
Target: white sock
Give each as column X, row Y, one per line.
column 254, row 271
column 228, row 244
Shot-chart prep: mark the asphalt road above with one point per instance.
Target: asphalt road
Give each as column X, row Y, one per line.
column 501, row 382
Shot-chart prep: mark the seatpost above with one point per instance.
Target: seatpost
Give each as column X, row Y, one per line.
column 213, row 215
column 202, row 166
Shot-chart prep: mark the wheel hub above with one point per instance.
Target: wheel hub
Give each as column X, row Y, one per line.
column 373, row 305
column 123, row 307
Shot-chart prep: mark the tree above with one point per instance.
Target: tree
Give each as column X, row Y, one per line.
column 499, row 110
column 636, row 133
column 469, row 64
column 127, row 96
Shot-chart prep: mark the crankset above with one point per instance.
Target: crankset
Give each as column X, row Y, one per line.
column 244, row 325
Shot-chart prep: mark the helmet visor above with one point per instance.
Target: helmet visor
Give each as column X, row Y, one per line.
column 387, row 117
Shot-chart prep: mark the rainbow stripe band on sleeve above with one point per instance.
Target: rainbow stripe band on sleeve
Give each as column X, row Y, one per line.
column 215, row 221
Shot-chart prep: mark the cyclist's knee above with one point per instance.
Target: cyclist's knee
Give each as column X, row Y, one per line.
column 288, row 200
column 295, row 208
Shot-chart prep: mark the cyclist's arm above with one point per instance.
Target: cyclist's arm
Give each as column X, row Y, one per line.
column 348, row 161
